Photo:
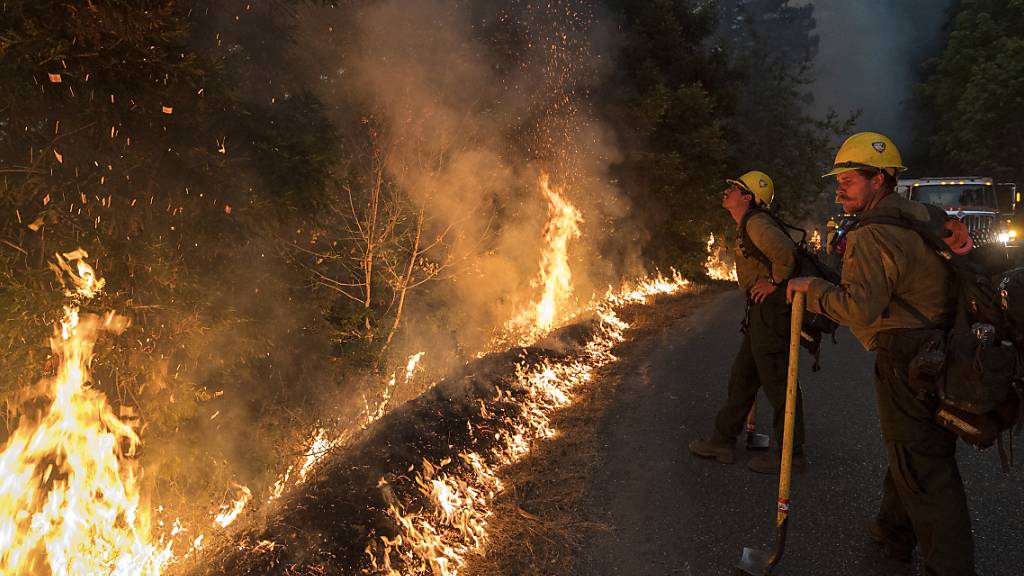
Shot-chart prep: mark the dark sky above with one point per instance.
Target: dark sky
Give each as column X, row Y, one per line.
column 869, row 58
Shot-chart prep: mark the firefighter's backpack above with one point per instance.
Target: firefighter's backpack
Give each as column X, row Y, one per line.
column 807, row 263
column 975, row 366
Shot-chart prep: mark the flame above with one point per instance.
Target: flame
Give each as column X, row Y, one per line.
column 319, row 443
column 69, row 493
column 84, row 281
column 814, row 243
column 411, row 364
column 453, row 522
column 714, row 266
column 229, row 513
column 555, row 276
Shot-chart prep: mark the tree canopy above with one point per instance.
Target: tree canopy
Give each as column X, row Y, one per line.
column 972, row 97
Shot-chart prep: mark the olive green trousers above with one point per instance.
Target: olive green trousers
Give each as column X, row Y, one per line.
column 762, row 362
column 923, row 499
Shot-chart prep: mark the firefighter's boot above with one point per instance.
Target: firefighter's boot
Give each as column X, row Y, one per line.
column 721, row 450
column 771, row 462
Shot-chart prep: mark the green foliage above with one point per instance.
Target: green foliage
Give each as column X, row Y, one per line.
column 674, row 150
column 707, row 91
column 771, row 46
column 973, row 94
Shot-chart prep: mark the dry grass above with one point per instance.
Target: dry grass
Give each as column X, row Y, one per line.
column 541, row 519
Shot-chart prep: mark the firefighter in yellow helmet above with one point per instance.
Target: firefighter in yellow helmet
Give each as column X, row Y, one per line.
column 758, row 185
column 895, row 294
column 765, row 259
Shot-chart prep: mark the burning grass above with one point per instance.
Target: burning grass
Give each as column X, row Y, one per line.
column 413, row 492
column 540, row 520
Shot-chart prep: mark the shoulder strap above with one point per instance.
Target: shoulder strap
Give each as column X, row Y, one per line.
column 750, row 250
column 784, row 225
column 896, row 218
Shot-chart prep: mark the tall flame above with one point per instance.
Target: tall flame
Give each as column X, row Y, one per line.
column 555, row 276
column 69, row 495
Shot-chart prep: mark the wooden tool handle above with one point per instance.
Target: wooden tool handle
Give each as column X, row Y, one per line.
column 796, row 323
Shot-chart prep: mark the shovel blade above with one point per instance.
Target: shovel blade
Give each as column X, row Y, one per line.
column 757, row 441
column 756, row 562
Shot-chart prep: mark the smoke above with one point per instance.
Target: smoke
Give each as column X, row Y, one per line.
column 474, row 101
column 870, row 54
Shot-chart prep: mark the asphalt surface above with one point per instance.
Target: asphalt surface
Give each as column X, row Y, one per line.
column 669, row 513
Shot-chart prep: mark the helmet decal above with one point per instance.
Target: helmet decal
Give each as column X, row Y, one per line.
column 762, row 183
column 878, row 146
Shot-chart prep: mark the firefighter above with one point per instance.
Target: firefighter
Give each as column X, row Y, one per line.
column 830, row 234
column 893, row 293
column 762, row 360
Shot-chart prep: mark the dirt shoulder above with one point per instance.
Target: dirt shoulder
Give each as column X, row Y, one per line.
column 541, row 519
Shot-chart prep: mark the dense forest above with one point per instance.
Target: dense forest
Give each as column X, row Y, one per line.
column 288, row 199
column 971, row 99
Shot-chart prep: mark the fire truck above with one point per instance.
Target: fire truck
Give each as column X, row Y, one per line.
column 986, row 207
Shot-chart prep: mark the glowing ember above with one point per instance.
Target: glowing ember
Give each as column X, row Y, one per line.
column 69, row 497
column 716, row 268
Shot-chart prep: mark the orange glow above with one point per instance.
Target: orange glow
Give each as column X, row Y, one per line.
column 436, row 538
column 714, row 265
column 814, row 242
column 69, row 492
column 555, row 276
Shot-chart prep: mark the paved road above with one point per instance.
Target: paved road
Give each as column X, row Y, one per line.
column 672, row 514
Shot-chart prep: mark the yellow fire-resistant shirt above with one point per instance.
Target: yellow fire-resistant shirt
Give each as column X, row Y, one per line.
column 775, row 244
column 886, row 267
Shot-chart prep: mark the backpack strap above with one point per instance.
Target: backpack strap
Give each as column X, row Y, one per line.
column 916, row 313
column 747, row 246
column 929, row 230
column 926, row 231
column 750, row 250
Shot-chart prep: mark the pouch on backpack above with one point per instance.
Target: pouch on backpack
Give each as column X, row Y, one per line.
column 977, row 378
column 929, row 364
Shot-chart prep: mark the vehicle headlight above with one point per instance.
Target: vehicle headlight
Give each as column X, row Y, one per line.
column 1007, row 235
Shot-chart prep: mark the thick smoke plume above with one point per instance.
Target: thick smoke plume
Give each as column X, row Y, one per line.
column 473, row 101
column 870, row 56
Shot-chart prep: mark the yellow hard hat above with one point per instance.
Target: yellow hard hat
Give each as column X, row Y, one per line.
column 867, row 150
column 757, row 183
